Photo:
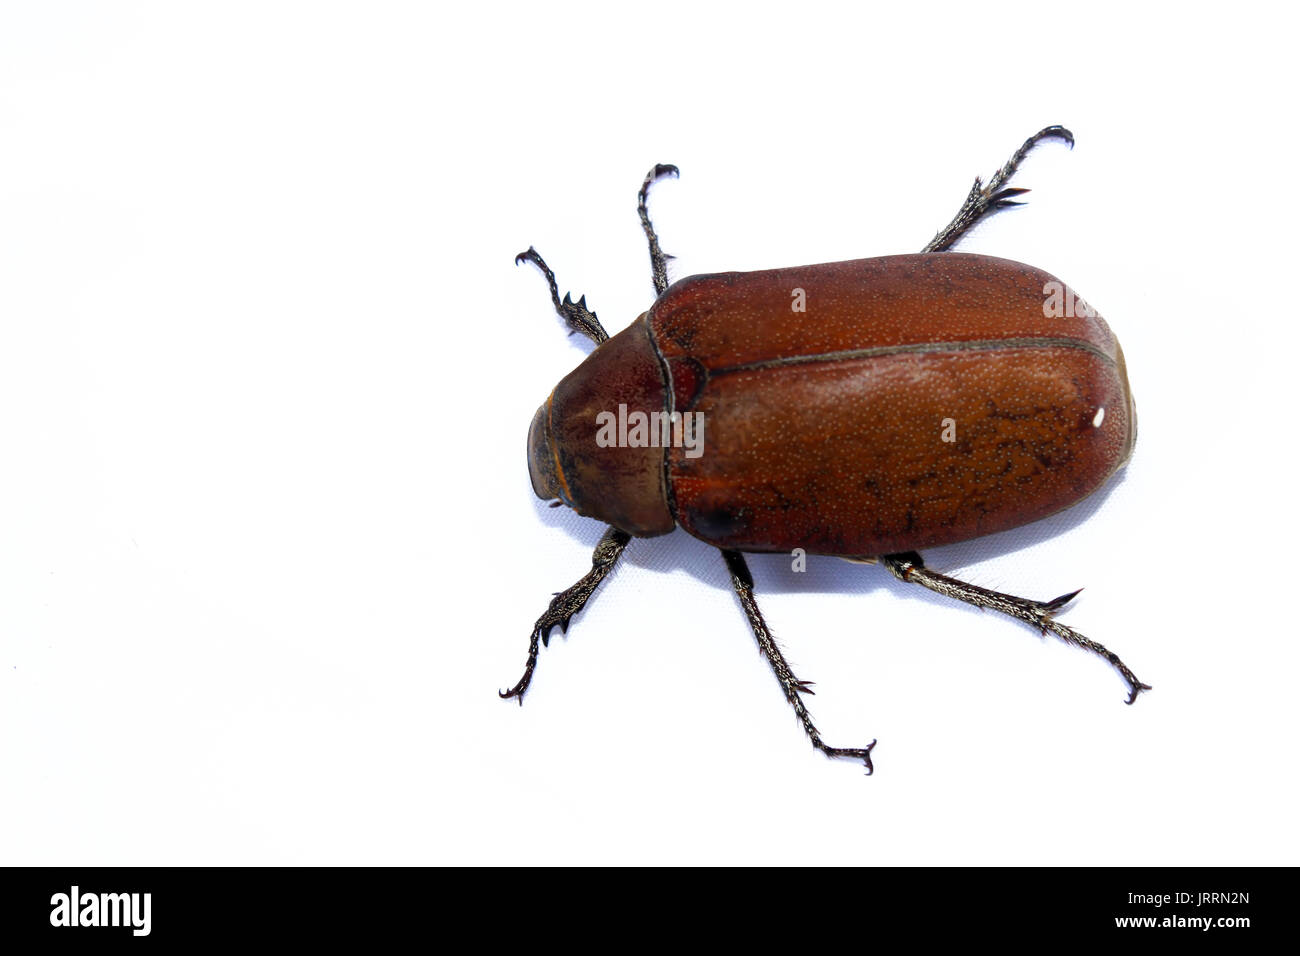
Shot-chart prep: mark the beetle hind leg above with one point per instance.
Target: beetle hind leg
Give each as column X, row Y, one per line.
column 658, row 258
column 743, row 582
column 568, row 603
column 576, row 315
column 984, row 200
column 908, row 566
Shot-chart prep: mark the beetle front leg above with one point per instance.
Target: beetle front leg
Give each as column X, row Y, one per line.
column 909, row 567
column 576, row 315
column 569, row 602
column 985, row 200
column 743, row 582
column 658, row 258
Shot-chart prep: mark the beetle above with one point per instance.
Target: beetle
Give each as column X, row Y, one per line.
column 864, row 409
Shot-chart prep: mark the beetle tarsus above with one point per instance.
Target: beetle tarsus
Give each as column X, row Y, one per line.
column 576, row 315
column 658, row 258
column 743, row 583
column 909, row 567
column 1060, row 132
column 863, row 754
column 985, row 199
column 565, row 604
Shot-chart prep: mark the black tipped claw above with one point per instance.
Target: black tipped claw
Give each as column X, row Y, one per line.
column 866, row 758
column 1059, row 132
column 659, row 172
column 1133, row 694
column 528, row 255
column 863, row 754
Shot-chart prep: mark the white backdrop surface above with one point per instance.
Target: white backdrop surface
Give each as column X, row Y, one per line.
column 268, row 547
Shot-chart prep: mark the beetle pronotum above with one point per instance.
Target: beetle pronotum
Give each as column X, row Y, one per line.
column 824, row 434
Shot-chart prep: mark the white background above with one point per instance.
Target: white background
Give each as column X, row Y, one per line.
column 268, row 547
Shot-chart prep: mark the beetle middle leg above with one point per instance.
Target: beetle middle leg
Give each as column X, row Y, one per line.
column 984, row 200
column 569, row 602
column 908, row 566
column 576, row 315
column 743, row 582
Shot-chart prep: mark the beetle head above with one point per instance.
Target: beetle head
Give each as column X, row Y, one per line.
column 570, row 456
column 541, row 457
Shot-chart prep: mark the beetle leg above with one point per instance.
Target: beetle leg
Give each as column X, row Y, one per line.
column 569, row 602
column 743, row 582
column 984, row 200
column 658, row 258
column 576, row 315
column 908, row 566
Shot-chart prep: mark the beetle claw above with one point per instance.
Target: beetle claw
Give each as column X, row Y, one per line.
column 1133, row 694
column 1060, row 132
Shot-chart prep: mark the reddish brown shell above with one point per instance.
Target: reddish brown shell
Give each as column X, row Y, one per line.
column 918, row 400
column 623, row 486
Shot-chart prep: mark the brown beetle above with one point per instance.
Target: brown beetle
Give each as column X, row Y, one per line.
column 924, row 400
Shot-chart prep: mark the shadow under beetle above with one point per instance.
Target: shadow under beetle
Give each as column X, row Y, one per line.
column 863, row 409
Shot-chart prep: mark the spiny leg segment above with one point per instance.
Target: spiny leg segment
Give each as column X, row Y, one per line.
column 743, row 582
column 908, row 566
column 984, row 200
column 569, row 602
column 576, row 315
